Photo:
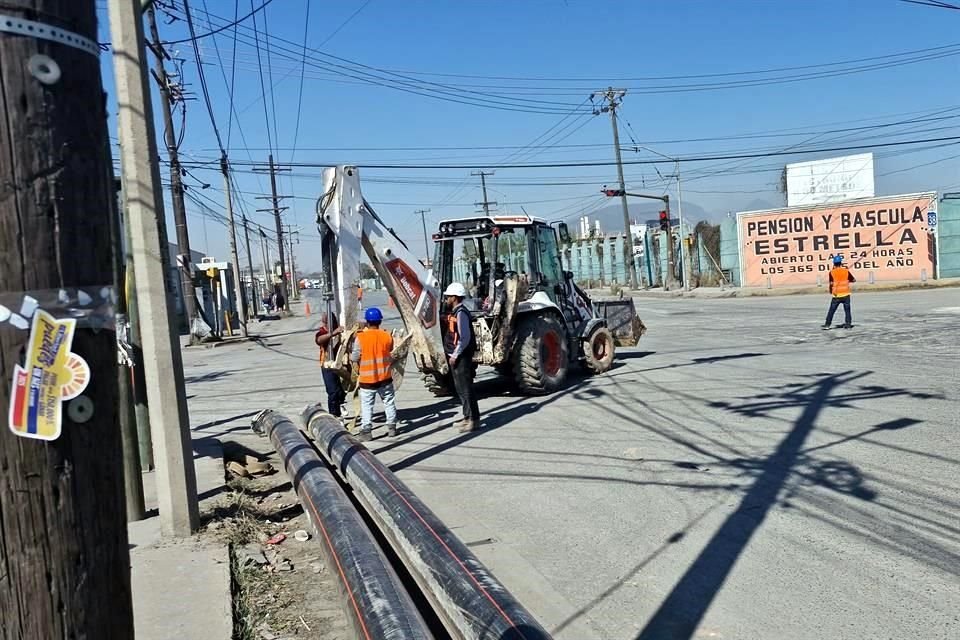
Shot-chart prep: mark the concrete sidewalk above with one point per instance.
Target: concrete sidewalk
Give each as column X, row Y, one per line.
column 181, row 587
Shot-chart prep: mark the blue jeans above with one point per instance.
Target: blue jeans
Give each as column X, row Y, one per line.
column 836, row 302
column 336, row 396
column 368, row 397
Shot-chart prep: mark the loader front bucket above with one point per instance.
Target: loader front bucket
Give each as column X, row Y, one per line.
column 622, row 320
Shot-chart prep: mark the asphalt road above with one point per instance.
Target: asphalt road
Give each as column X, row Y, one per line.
column 740, row 474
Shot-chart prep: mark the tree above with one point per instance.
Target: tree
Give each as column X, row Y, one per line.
column 367, row 272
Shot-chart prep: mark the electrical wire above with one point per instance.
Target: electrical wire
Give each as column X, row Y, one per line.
column 263, row 86
column 194, row 38
column 202, row 76
column 551, row 165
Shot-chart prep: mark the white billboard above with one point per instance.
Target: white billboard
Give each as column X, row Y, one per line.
column 830, row 180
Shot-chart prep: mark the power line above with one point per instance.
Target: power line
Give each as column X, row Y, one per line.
column 551, row 165
column 195, row 38
column 263, row 87
column 303, row 68
column 273, row 93
column 202, row 76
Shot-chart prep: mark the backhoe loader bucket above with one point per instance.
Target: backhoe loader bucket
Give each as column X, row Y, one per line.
column 622, row 320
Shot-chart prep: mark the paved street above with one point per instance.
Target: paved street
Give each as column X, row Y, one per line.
column 740, row 474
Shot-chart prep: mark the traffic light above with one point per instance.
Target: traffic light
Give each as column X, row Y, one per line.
column 611, row 193
column 664, row 221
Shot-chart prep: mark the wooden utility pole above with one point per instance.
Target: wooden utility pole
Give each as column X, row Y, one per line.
column 255, row 296
column 277, row 209
column 483, row 182
column 163, row 361
column 291, row 232
column 614, row 98
column 234, row 257
column 185, row 270
column 63, row 533
column 426, row 239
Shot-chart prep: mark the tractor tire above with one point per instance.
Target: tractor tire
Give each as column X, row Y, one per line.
column 540, row 355
column 598, row 351
column 439, row 386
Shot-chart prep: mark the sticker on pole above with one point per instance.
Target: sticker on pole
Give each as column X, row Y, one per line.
column 52, row 374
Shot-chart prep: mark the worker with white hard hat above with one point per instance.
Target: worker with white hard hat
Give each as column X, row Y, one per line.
column 460, row 345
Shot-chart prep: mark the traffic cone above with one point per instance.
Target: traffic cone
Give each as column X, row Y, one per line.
column 306, row 309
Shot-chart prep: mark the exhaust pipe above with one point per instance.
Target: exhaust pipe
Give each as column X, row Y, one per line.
column 469, row 600
column 376, row 600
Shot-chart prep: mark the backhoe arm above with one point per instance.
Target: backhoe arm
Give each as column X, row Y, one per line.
column 349, row 227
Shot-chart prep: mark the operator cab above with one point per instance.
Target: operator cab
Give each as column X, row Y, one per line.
column 481, row 252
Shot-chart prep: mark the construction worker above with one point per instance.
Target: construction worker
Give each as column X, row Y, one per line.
column 840, row 281
column 336, row 396
column 460, row 345
column 372, row 349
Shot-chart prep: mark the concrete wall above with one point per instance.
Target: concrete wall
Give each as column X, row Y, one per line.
column 948, row 235
column 730, row 249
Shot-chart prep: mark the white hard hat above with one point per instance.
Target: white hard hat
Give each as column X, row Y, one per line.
column 456, row 289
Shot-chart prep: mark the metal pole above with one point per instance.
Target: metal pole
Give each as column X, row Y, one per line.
column 266, row 263
column 276, row 217
column 255, row 301
column 684, row 258
column 162, row 362
column 234, row 257
column 612, row 97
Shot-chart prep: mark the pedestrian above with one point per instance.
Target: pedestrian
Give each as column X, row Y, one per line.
column 840, row 281
column 336, row 396
column 460, row 345
column 372, row 350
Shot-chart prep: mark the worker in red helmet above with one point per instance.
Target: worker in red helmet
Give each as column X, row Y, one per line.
column 372, row 351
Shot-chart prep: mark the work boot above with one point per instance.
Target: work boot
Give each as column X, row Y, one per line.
column 391, row 430
column 466, row 426
column 459, row 423
column 365, row 436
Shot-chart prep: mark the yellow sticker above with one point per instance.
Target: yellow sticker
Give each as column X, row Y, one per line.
column 51, row 375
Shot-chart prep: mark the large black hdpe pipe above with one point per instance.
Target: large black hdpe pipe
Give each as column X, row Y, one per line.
column 468, row 599
column 378, row 604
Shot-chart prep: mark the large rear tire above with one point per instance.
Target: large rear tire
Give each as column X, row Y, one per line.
column 598, row 350
column 540, row 355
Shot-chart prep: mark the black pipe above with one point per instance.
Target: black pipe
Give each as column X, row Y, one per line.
column 470, row 601
column 378, row 604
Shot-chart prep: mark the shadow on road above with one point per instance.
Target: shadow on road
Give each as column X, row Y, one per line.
column 685, row 606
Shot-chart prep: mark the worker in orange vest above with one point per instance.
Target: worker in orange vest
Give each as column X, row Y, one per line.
column 328, row 331
column 460, row 345
column 372, row 351
column 840, row 281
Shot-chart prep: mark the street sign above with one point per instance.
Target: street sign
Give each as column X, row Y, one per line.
column 931, row 219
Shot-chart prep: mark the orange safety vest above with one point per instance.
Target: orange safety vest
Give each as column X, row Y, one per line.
column 841, row 281
column 375, row 348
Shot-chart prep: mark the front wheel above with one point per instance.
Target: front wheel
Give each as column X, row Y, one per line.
column 540, row 355
column 598, row 350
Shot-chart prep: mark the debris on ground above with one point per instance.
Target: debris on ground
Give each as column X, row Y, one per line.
column 276, row 596
column 277, row 539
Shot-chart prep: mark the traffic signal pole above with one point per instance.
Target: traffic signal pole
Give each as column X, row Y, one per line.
column 664, row 226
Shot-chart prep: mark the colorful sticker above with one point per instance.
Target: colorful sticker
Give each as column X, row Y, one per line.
column 52, row 375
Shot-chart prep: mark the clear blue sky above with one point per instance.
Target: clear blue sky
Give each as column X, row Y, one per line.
column 561, row 50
